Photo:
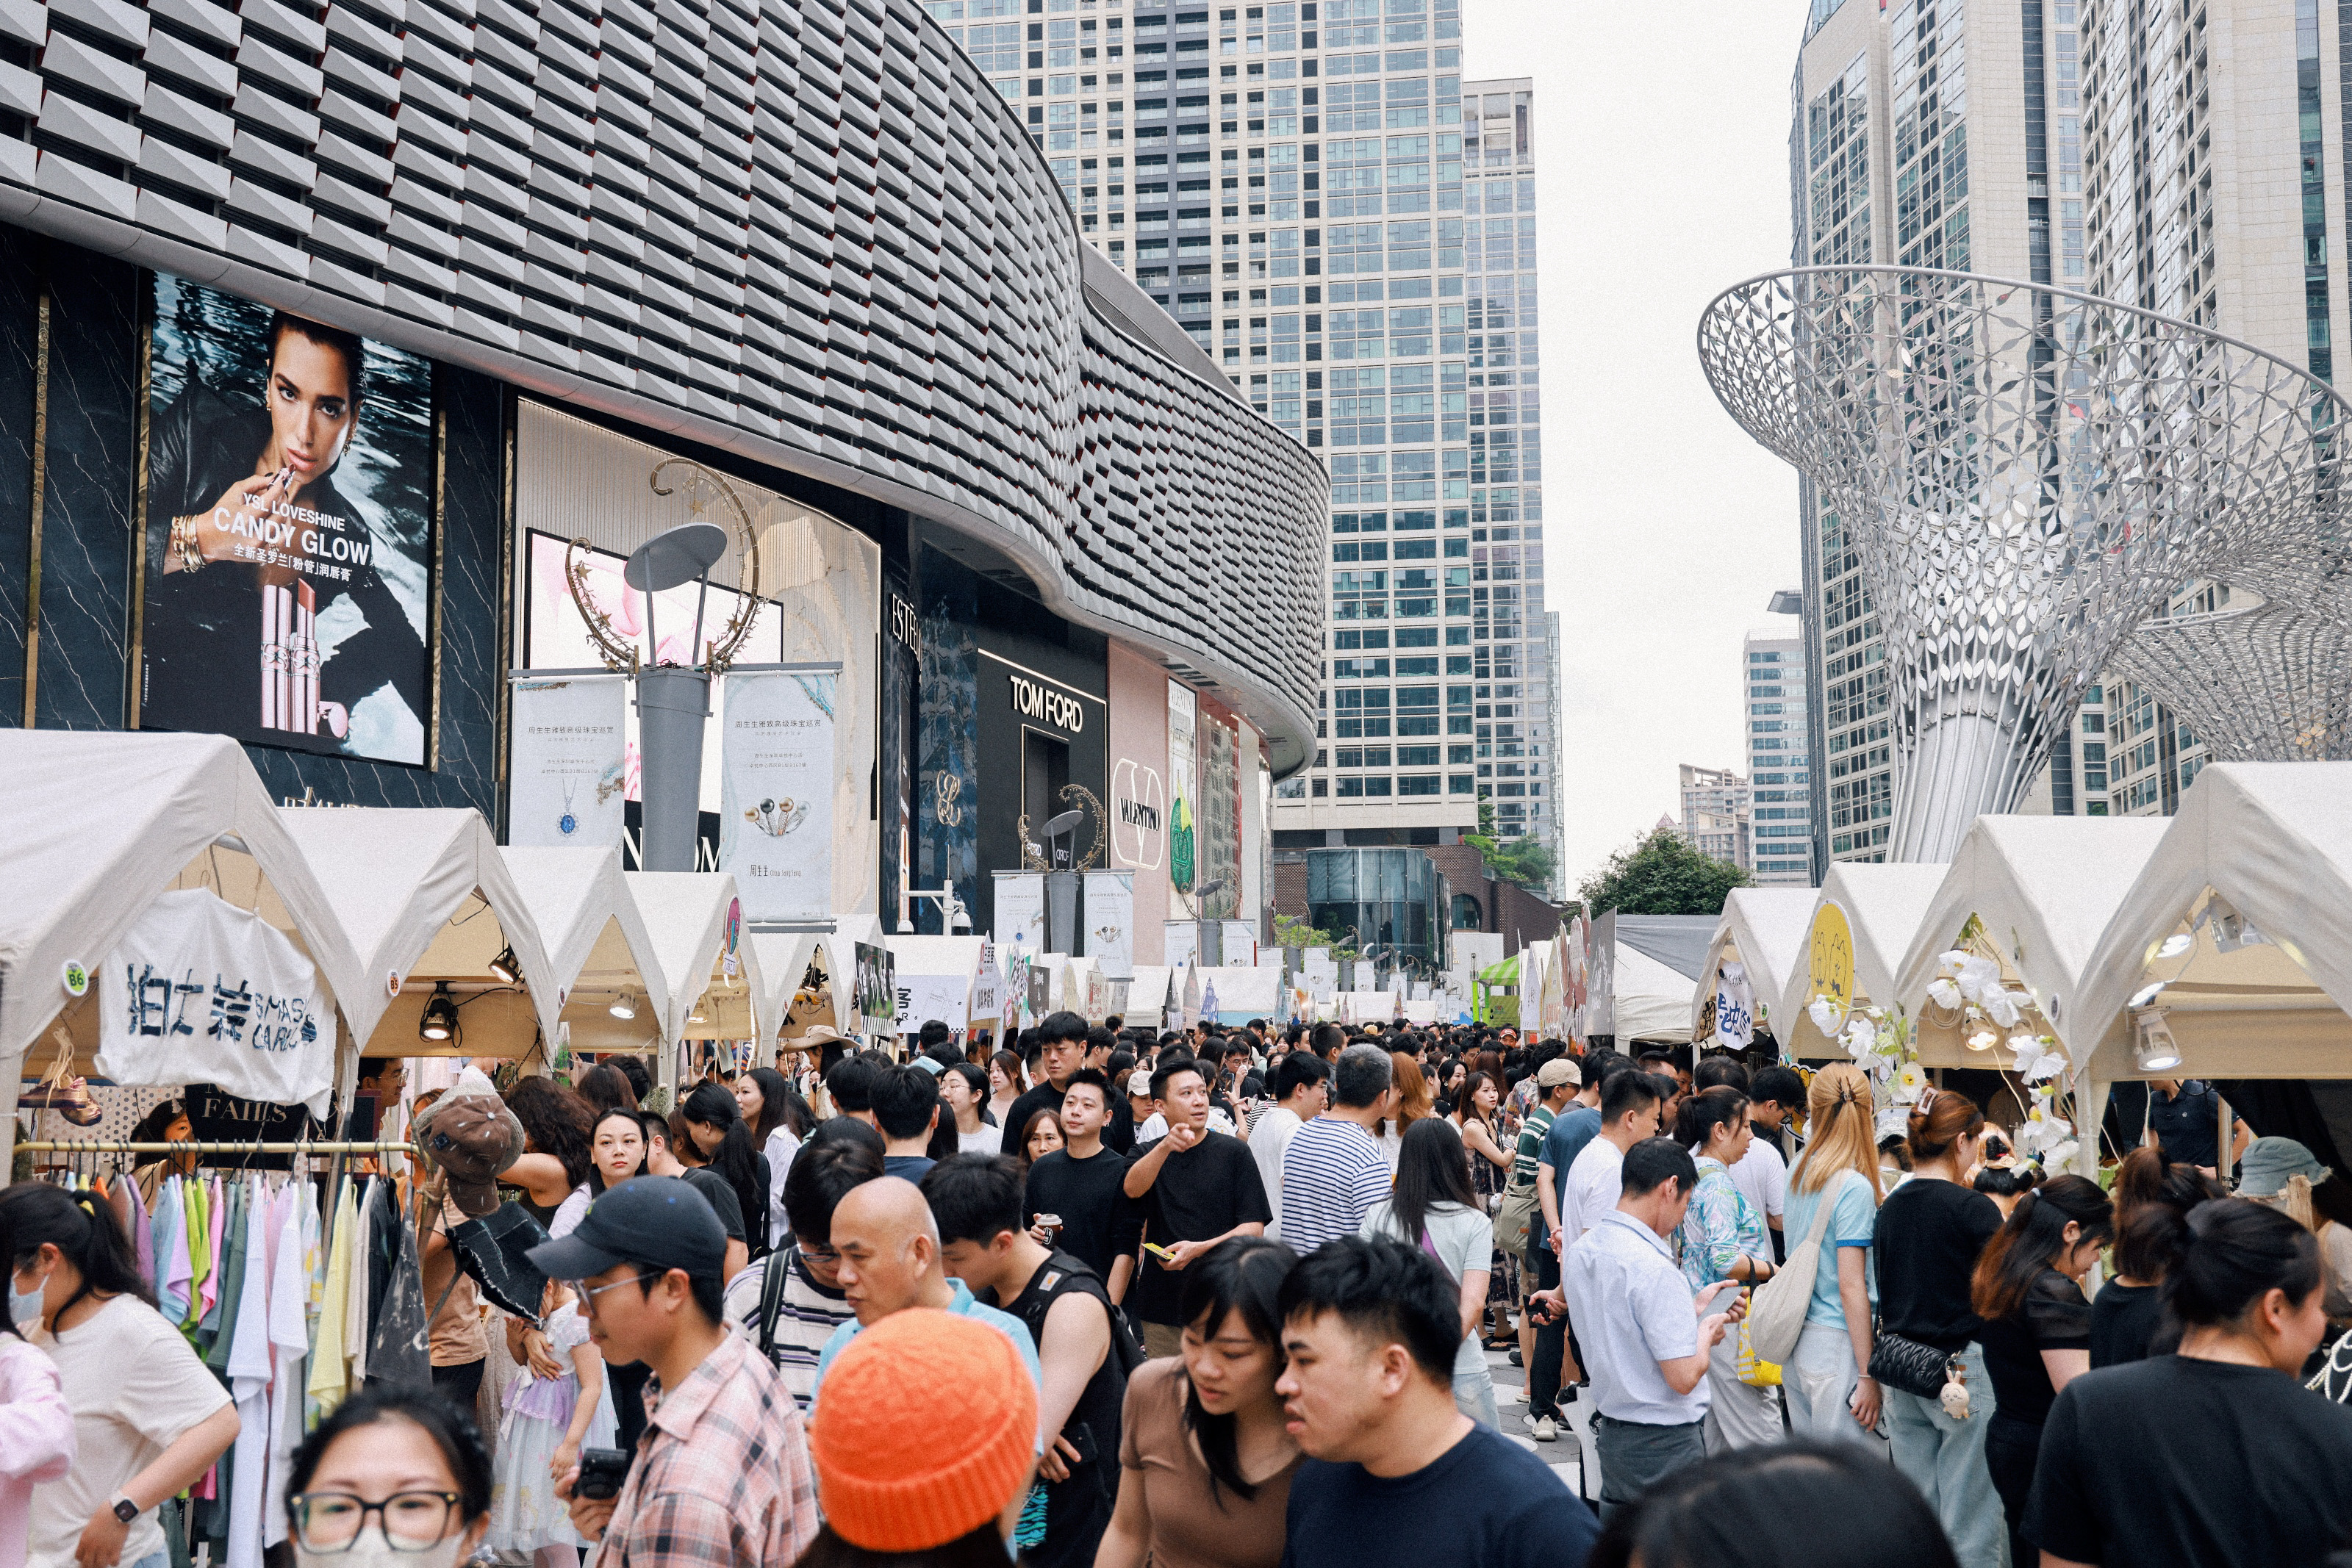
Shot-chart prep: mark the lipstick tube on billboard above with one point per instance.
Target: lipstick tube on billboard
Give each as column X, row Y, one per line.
column 285, row 664
column 305, row 716
column 272, row 651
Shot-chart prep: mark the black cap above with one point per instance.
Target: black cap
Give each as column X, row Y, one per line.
column 657, row 1221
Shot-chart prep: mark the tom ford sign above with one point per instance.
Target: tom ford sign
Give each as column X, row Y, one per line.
column 1051, row 705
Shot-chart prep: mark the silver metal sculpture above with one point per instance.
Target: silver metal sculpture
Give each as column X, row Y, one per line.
column 2026, row 475
column 2272, row 683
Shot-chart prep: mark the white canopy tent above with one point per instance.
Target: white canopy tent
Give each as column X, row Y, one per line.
column 2260, row 847
column 1652, row 1002
column 1243, row 994
column 427, row 900
column 2033, row 894
column 1881, row 907
column 936, row 975
column 840, row 964
column 1147, row 995
column 685, row 914
column 598, row 948
column 101, row 824
column 784, row 961
column 1764, row 929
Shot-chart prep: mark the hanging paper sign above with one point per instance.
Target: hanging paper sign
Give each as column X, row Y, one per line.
column 775, row 813
column 1735, row 1008
column 1240, row 944
column 922, row 997
column 988, row 989
column 1183, row 939
column 1021, row 910
column 201, row 990
column 570, row 767
column 1110, row 922
column 875, row 1006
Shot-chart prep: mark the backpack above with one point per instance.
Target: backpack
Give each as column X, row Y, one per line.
column 1061, row 1275
column 773, row 1276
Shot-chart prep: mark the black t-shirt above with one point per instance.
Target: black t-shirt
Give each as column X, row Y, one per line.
column 1205, row 1191
column 2174, row 1463
column 2126, row 1325
column 1117, row 1134
column 1929, row 1234
column 722, row 1200
column 2053, row 1316
column 1484, row 1503
column 1098, row 1224
column 2188, row 1124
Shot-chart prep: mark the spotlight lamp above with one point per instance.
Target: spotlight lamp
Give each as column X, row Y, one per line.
column 439, row 1021
column 2155, row 1050
column 624, row 1007
column 505, row 967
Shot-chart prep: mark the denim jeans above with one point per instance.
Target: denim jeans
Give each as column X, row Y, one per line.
column 1818, row 1381
column 1474, row 1395
column 1946, row 1460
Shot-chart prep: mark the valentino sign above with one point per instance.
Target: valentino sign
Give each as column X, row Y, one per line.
column 1033, row 699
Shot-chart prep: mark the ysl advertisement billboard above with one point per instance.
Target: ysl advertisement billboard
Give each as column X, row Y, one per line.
column 290, row 515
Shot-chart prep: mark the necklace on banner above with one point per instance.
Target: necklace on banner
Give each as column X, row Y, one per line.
column 569, row 823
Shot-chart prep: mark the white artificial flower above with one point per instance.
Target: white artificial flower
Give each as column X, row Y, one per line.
column 2005, row 1008
column 1861, row 1038
column 1877, row 1014
column 1979, row 979
column 1825, row 1014
column 1944, row 993
column 1910, row 1080
column 2039, row 1060
column 1949, row 963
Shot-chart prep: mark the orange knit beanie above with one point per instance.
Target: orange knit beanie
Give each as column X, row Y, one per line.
column 918, row 1374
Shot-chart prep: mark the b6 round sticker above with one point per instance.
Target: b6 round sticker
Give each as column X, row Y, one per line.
column 77, row 979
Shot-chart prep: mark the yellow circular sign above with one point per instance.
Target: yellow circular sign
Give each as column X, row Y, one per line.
column 1831, row 960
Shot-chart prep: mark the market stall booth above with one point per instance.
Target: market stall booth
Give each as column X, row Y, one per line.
column 127, row 849
column 1147, row 996
column 453, row 959
column 713, row 986
column 793, row 963
column 601, row 958
column 940, row 978
column 1652, row 1002
column 1757, row 942
column 2230, row 957
column 839, row 949
column 1243, row 994
column 1496, row 992
column 1862, row 924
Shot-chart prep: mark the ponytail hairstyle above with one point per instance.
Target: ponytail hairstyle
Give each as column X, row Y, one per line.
column 2237, row 1251
column 1701, row 1114
column 82, row 1226
column 2153, row 1196
column 1939, row 1121
column 1839, row 1122
column 2032, row 1239
column 735, row 1160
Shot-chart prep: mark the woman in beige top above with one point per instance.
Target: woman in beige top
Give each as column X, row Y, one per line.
column 1204, row 1461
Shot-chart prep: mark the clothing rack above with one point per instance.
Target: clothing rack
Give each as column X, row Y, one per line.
column 207, row 1147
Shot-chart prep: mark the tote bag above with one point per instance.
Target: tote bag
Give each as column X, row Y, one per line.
column 1776, row 1313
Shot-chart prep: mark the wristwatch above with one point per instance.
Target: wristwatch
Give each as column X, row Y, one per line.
column 125, row 1509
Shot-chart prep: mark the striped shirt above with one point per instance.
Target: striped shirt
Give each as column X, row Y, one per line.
column 805, row 1319
column 1332, row 1173
column 1529, row 1152
column 722, row 1473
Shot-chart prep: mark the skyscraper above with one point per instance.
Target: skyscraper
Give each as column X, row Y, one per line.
column 1925, row 133
column 1348, row 229
column 1715, row 814
column 1779, row 760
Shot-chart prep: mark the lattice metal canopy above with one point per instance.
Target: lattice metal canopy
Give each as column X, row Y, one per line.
column 2269, row 683
column 2026, row 475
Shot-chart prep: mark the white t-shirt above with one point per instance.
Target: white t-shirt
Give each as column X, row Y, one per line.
column 1762, row 1177
column 1156, row 1125
column 1267, row 1139
column 135, row 1388
column 1595, row 1182
column 988, row 1140
column 779, row 1148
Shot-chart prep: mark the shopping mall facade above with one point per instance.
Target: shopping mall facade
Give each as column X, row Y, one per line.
column 535, row 258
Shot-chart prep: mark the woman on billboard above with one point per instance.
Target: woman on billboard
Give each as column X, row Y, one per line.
column 252, row 545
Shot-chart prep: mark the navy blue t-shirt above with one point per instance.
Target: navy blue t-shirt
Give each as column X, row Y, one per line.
column 1485, row 1503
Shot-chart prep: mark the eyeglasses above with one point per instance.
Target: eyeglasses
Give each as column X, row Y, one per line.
column 588, row 1293
column 330, row 1522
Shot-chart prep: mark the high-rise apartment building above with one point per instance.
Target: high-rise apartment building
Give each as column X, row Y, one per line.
column 1715, row 814
column 1779, row 760
column 1348, row 229
column 1940, row 133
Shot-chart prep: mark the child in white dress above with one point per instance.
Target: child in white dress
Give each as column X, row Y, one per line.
column 548, row 1422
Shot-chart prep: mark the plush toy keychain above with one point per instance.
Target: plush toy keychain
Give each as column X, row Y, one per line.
column 1956, row 1390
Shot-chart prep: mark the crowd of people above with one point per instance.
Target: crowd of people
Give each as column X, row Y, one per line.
column 1231, row 1296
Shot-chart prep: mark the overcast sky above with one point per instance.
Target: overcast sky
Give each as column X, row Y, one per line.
column 1661, row 143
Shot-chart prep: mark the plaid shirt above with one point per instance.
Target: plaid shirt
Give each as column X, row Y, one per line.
column 722, row 1472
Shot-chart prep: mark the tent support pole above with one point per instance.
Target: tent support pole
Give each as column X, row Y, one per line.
column 2090, row 1116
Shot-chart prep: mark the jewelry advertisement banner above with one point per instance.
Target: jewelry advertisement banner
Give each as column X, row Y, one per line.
column 775, row 813
column 569, row 778
column 1021, row 911
column 288, row 523
column 1110, row 922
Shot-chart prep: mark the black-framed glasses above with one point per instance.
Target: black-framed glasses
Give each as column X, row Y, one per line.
column 330, row 1522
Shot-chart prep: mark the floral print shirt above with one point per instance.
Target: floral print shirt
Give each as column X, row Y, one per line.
column 1720, row 1226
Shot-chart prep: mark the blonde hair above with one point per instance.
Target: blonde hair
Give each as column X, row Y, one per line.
column 1838, row 1123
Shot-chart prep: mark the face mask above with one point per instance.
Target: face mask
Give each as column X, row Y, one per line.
column 374, row 1550
column 25, row 1307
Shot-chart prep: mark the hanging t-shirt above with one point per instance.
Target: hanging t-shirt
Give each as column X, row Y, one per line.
column 2176, row 1463
column 135, row 1388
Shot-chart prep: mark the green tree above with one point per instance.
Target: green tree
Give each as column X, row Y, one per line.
column 1523, row 861
column 1661, row 874
column 1292, row 933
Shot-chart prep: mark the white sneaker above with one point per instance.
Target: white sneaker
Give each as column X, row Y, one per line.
column 1545, row 1431
column 1514, row 1396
